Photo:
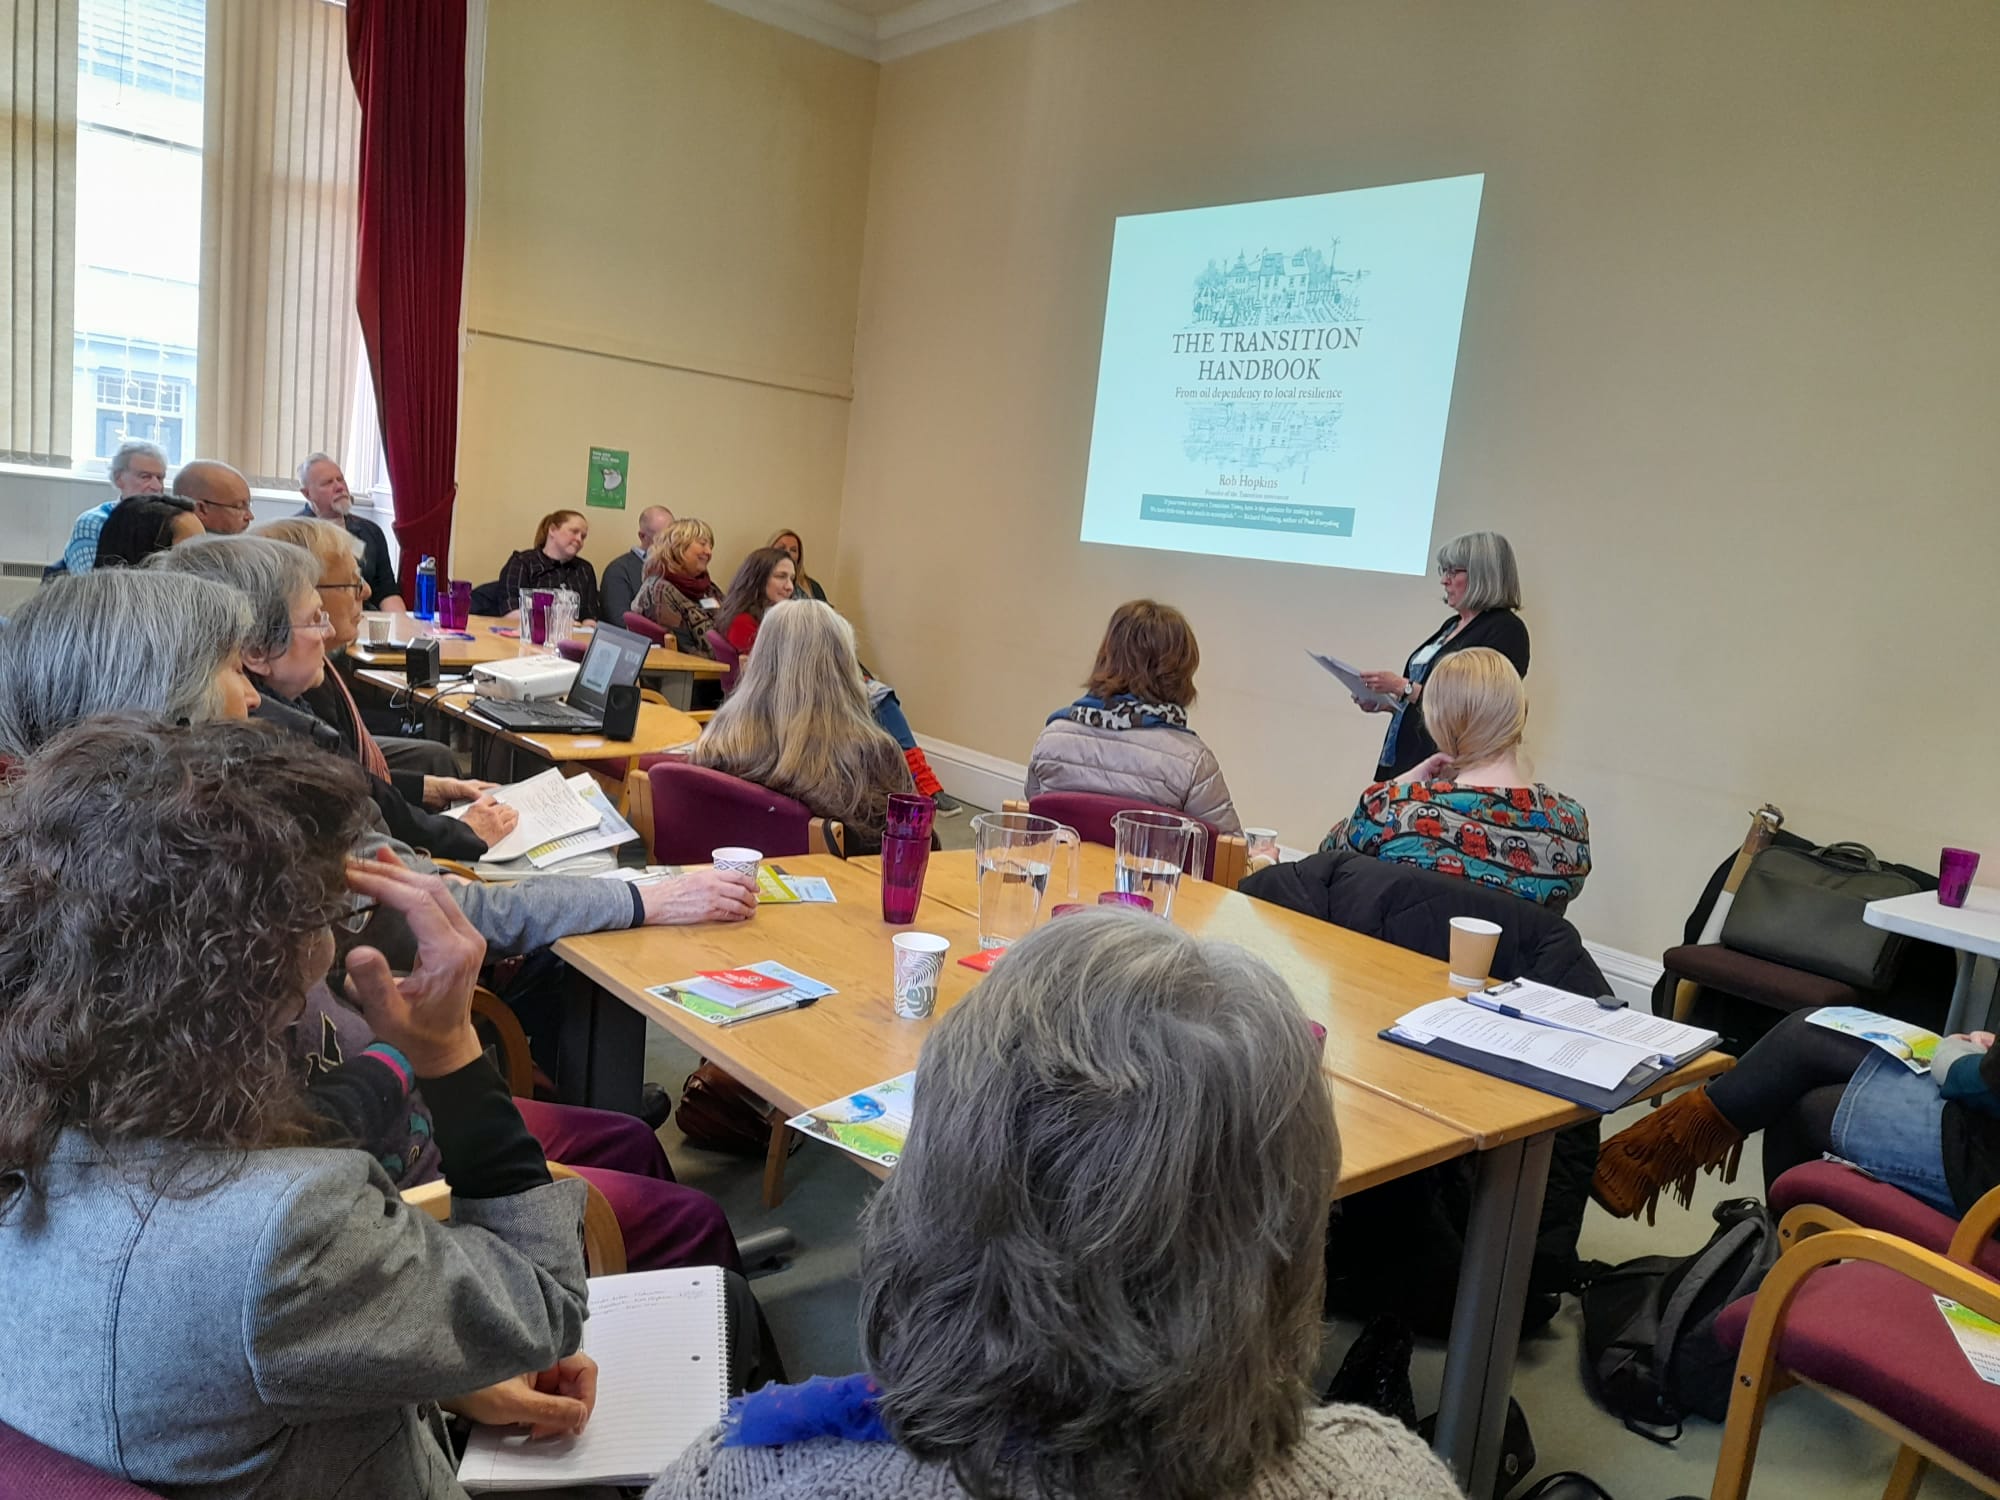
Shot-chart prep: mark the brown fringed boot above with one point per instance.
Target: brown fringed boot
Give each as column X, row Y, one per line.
column 1667, row 1149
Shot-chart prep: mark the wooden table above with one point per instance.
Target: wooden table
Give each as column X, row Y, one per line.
column 1356, row 986
column 674, row 671
column 659, row 728
column 803, row 1058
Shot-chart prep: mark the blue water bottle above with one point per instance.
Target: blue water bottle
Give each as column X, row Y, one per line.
column 427, row 589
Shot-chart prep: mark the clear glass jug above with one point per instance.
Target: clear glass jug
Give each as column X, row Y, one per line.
column 1151, row 851
column 1014, row 853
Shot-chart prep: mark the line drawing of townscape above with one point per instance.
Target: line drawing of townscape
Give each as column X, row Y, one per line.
column 1259, row 435
column 1275, row 288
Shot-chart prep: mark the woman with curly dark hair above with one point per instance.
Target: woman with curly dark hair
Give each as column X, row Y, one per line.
column 220, row 1305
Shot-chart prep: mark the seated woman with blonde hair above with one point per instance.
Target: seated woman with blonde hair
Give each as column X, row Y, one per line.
column 1470, row 810
column 1128, row 735
column 799, row 723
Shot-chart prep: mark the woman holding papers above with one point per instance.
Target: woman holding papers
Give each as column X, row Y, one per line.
column 1128, row 735
column 285, row 656
column 1469, row 811
column 1483, row 587
column 200, row 1299
column 1933, row 1131
column 1097, row 1269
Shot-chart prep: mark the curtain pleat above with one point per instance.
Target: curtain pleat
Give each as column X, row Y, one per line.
column 38, row 235
column 279, row 219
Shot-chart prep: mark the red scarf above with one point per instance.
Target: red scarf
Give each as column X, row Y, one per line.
column 697, row 588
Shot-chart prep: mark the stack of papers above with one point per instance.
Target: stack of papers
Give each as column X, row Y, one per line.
column 1551, row 1040
column 873, row 1124
column 775, row 887
column 722, row 997
column 551, row 810
column 1350, row 678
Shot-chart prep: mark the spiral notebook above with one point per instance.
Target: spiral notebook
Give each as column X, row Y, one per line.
column 661, row 1342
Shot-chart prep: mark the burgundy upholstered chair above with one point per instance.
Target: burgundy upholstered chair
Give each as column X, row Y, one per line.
column 692, row 811
column 1090, row 814
column 647, row 626
column 729, row 656
column 29, row 1471
column 1851, row 1311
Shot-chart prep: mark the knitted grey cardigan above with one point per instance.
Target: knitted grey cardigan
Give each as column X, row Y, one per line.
column 1345, row 1453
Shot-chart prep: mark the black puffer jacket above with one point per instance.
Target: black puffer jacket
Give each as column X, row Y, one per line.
column 1398, row 1247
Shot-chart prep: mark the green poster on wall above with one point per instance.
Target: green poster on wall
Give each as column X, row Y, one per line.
column 606, row 485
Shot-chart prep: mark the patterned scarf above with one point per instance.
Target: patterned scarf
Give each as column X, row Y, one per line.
column 1123, row 712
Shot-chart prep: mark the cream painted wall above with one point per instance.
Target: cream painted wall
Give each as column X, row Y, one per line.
column 666, row 258
column 1728, row 379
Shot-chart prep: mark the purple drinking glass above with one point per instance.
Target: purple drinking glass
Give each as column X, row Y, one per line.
column 539, row 604
column 455, row 604
column 1956, row 867
column 904, row 861
column 1066, row 909
column 1126, row 898
column 910, row 816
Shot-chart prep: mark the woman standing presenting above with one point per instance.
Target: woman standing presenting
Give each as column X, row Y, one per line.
column 1483, row 586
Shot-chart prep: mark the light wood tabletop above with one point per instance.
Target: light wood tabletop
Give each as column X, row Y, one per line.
column 659, row 727
column 492, row 638
column 803, row 1058
column 1353, row 985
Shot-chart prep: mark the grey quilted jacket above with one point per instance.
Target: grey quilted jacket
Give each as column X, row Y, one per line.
column 1166, row 767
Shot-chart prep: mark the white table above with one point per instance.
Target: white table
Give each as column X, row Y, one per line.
column 1972, row 929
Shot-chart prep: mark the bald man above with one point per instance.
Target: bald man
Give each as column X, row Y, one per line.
column 623, row 576
column 220, row 495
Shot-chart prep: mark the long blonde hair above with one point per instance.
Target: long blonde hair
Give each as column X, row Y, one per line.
column 1475, row 706
column 669, row 554
column 799, row 722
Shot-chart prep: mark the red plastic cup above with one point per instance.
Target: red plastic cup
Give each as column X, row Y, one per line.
column 1126, row 898
column 910, row 816
column 1065, row 909
column 1956, row 867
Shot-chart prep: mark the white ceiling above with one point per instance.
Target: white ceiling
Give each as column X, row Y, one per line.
column 882, row 30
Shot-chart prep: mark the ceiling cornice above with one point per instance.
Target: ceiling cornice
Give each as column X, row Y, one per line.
column 916, row 28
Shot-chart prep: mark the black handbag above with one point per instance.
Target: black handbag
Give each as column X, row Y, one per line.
column 1802, row 908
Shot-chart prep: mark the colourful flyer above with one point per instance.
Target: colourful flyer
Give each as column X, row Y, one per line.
column 873, row 1124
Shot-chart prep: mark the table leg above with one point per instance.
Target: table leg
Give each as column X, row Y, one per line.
column 1958, row 1018
column 1486, row 1318
column 601, row 1059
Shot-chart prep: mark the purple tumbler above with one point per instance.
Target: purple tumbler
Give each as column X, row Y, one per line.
column 455, row 604
column 1956, row 867
column 906, row 854
column 539, row 603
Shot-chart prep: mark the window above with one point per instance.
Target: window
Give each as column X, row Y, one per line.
column 138, row 224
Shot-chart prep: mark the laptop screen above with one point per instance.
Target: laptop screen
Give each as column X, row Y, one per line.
column 614, row 657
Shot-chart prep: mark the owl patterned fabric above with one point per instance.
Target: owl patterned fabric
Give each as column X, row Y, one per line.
column 1526, row 839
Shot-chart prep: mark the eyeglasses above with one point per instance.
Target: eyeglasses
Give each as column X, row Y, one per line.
column 1445, row 575
column 356, row 589
column 320, row 624
column 222, row 505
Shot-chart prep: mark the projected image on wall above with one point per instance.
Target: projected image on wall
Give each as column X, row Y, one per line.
column 1276, row 376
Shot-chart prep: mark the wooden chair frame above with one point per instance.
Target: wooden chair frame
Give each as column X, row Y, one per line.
column 603, row 1240
column 1815, row 1237
column 517, row 1064
column 1232, row 851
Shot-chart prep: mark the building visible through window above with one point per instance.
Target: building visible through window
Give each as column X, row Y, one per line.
column 138, row 224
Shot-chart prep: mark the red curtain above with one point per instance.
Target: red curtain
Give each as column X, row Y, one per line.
column 408, row 61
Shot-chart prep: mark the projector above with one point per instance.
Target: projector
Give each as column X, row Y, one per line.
column 531, row 679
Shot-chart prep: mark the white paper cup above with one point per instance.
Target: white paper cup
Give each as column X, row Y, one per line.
column 744, row 860
column 375, row 629
column 1473, row 940
column 919, row 963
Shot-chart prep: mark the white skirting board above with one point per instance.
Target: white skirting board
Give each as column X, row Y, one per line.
column 987, row 781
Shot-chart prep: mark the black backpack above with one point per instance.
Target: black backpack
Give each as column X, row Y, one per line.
column 1649, row 1324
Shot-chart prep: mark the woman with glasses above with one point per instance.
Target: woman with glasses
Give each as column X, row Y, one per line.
column 286, row 657
column 1483, row 588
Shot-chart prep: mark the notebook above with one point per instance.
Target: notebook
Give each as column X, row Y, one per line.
column 661, row 1342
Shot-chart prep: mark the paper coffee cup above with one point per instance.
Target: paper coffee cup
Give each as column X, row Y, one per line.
column 375, row 629
column 1473, row 940
column 919, row 963
column 746, row 861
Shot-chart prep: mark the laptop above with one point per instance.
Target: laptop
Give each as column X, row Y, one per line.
column 612, row 660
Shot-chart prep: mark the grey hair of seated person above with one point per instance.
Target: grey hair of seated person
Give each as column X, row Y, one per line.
column 270, row 574
column 1098, row 1268
column 123, row 641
